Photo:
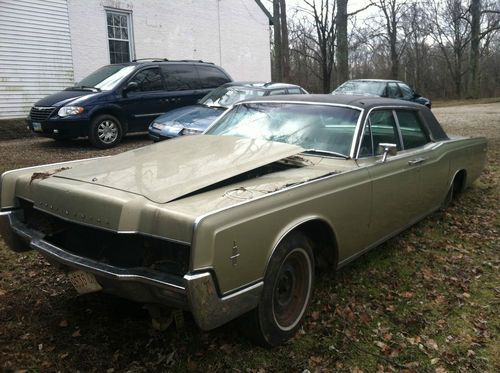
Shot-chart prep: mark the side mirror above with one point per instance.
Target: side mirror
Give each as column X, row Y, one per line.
column 131, row 86
column 416, row 95
column 387, row 149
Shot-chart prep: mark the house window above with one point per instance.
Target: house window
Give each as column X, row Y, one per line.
column 119, row 36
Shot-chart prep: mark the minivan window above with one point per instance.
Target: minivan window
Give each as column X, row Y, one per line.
column 180, row 77
column 107, row 77
column 211, row 77
column 148, row 80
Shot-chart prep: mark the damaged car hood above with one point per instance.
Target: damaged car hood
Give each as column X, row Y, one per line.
column 171, row 169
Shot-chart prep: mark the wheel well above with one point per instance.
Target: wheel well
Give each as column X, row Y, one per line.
column 114, row 112
column 459, row 181
column 323, row 241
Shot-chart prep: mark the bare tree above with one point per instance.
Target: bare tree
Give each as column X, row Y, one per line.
column 392, row 12
column 322, row 13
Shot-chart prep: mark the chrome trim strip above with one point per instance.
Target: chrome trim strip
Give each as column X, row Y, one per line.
column 147, row 115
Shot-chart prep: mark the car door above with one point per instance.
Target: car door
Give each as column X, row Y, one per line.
column 393, row 90
column 394, row 182
column 427, row 158
column 183, row 84
column 145, row 100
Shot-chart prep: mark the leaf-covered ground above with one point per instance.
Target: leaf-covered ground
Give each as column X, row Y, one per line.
column 426, row 301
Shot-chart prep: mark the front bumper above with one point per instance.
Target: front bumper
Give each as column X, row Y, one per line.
column 67, row 127
column 195, row 292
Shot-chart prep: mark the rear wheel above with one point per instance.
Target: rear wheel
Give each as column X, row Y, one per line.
column 286, row 294
column 105, row 131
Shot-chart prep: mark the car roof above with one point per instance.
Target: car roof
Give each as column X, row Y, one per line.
column 375, row 80
column 155, row 61
column 361, row 102
column 261, row 85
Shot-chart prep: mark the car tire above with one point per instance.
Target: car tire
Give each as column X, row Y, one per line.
column 105, row 132
column 288, row 285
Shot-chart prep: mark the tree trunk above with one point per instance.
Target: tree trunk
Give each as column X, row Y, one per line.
column 278, row 56
column 473, row 86
column 285, row 49
column 342, row 42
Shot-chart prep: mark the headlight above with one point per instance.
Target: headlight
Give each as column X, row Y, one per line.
column 158, row 126
column 69, row 110
column 191, row 131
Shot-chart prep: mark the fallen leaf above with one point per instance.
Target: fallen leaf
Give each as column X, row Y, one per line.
column 76, row 334
column 431, row 343
column 63, row 323
column 315, row 315
column 408, row 295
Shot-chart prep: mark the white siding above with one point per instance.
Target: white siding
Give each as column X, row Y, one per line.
column 231, row 33
column 35, row 53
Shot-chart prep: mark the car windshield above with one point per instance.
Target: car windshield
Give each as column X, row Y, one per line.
column 317, row 128
column 226, row 96
column 362, row 88
column 106, row 78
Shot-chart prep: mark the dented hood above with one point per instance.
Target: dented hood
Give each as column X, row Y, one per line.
column 174, row 168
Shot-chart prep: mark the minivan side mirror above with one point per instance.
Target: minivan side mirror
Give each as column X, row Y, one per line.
column 387, row 149
column 131, row 86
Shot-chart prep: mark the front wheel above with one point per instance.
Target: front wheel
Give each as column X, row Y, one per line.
column 105, row 131
column 288, row 285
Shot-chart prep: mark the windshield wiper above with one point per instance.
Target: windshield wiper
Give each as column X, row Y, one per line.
column 326, row 152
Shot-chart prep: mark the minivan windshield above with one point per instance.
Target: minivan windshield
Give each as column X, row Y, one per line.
column 226, row 96
column 106, row 78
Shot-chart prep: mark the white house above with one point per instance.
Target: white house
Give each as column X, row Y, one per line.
column 47, row 45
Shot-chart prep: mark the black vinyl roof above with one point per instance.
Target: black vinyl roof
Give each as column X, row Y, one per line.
column 366, row 103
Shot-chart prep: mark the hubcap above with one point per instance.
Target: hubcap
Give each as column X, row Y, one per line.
column 292, row 289
column 107, row 131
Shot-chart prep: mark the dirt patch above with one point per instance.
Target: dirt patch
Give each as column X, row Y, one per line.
column 426, row 301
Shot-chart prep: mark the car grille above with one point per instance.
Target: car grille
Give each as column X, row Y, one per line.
column 41, row 113
column 120, row 250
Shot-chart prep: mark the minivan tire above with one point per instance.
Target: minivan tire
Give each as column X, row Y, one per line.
column 105, row 131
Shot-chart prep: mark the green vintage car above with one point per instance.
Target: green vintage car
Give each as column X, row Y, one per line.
column 234, row 222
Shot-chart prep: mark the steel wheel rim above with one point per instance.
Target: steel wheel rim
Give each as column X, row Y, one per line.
column 292, row 289
column 107, row 131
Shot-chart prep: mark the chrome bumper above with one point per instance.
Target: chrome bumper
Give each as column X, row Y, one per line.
column 195, row 292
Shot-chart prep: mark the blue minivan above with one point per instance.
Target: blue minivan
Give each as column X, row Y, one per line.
column 121, row 98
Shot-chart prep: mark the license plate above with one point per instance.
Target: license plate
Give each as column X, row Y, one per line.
column 37, row 127
column 84, row 282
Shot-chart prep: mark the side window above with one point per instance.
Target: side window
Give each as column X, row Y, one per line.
column 407, row 91
column 148, row 80
column 180, row 77
column 384, row 129
column 411, row 129
column 294, row 91
column 393, row 90
column 277, row 92
column 211, row 77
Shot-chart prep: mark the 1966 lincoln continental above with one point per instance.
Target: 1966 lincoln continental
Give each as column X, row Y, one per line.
column 234, row 222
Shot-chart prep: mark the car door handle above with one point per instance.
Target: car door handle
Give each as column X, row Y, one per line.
column 414, row 162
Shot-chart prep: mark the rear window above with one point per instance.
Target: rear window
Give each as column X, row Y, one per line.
column 180, row 77
column 211, row 77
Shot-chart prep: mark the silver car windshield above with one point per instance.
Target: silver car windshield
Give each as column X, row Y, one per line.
column 362, row 88
column 106, row 78
column 227, row 96
column 317, row 128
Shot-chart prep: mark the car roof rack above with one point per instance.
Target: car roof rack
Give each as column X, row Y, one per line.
column 167, row 60
column 152, row 59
